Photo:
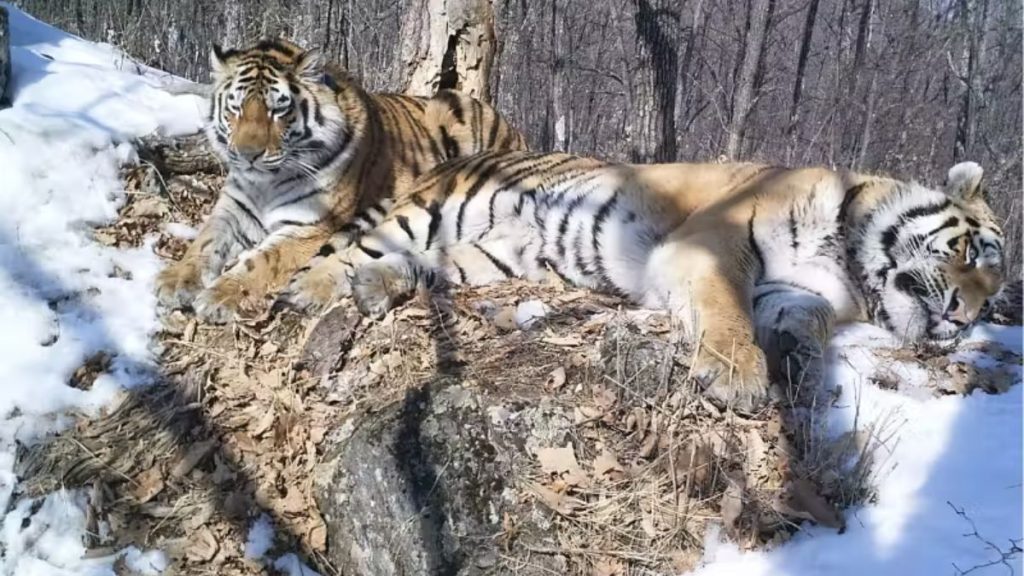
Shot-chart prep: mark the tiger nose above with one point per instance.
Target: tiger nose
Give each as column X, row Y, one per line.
column 958, row 314
column 251, row 153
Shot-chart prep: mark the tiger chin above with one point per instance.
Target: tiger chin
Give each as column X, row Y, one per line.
column 307, row 149
column 759, row 262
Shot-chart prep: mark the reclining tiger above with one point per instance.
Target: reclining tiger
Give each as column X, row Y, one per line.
column 306, row 149
column 760, row 262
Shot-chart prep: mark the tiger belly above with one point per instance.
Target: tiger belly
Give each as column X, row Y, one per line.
column 586, row 229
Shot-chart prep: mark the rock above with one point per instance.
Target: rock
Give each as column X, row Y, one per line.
column 424, row 483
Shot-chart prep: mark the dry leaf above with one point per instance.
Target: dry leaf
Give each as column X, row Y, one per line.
column 559, row 502
column 562, row 461
column 732, row 501
column 265, row 423
column 194, row 456
column 609, row 567
column 147, row 207
column 556, row 379
column 148, row 484
column 606, row 465
column 804, row 501
column 562, row 340
column 293, row 502
column 647, row 523
column 505, row 319
column 202, row 545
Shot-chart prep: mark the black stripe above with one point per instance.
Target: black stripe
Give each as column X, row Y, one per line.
column 299, row 198
column 753, row 243
column 771, row 292
column 563, row 224
column 248, row 212
column 375, row 254
column 494, row 130
column 595, row 238
column 501, row 266
column 452, row 100
column 434, row 210
column 403, row 223
column 461, row 271
column 490, row 168
column 891, row 234
column 794, row 242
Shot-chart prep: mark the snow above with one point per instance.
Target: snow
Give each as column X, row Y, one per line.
column 947, row 451
column 291, row 565
column 76, row 107
column 260, row 539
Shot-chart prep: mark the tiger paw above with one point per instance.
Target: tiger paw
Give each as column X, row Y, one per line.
column 316, row 287
column 737, row 379
column 797, row 360
column 379, row 286
column 177, row 284
column 219, row 303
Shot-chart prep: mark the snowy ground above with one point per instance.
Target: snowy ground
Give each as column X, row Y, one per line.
column 64, row 297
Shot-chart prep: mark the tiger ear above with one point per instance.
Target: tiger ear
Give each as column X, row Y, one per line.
column 220, row 61
column 964, row 181
column 310, row 64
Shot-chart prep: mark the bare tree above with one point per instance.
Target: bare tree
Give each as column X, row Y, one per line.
column 759, row 20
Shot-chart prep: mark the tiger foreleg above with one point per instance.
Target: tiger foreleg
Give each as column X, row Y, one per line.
column 259, row 272
column 701, row 281
column 793, row 329
column 178, row 284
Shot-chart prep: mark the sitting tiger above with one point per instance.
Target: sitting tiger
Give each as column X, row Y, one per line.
column 307, row 148
column 759, row 262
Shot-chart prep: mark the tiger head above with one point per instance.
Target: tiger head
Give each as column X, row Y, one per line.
column 270, row 107
column 941, row 257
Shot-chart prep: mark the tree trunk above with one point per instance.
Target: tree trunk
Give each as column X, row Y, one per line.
column 974, row 18
column 5, row 57
column 657, row 51
column 448, row 44
column 743, row 101
column 801, row 68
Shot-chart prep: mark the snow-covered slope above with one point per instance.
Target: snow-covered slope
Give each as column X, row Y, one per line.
column 944, row 455
column 64, row 296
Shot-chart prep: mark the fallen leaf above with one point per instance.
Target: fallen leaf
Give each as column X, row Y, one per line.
column 202, row 545
column 609, row 567
column 147, row 207
column 505, row 319
column 559, row 502
column 606, row 465
column 148, row 484
column 195, row 454
column 562, row 340
column 293, row 502
column 265, row 423
column 562, row 462
column 556, row 379
column 647, row 523
column 732, row 501
column 803, row 501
